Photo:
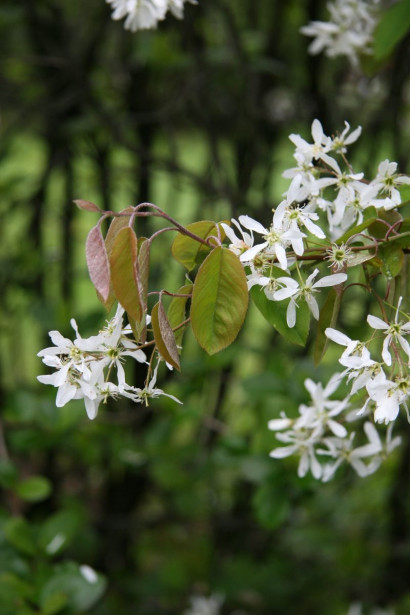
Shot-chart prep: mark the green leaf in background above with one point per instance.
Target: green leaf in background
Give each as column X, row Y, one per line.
column 219, row 300
column 187, row 251
column 20, row 534
column 58, row 531
column 81, row 585
column 355, row 230
column 164, row 337
column 33, row 489
column 275, row 314
column 393, row 26
column 270, row 505
column 176, row 312
column 123, row 259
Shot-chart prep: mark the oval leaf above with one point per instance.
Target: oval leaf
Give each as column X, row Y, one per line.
column 97, row 262
column 219, row 300
column 116, row 225
column 187, row 251
column 123, row 272
column 164, row 336
column 33, row 489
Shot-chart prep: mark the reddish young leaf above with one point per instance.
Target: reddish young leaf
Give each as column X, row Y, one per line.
column 164, row 336
column 87, row 205
column 123, row 259
column 97, row 262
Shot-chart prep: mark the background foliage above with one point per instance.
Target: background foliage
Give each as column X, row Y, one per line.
column 169, row 501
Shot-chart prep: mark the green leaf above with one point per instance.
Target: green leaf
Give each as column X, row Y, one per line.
column 58, row 531
column 177, row 311
column 55, row 603
column 392, row 259
column 275, row 314
column 20, row 534
column 402, row 240
column 139, row 328
column 33, row 489
column 124, row 279
column 219, row 300
column 327, row 318
column 391, row 29
column 379, row 229
column 188, row 251
column 82, row 586
column 270, row 505
column 163, row 335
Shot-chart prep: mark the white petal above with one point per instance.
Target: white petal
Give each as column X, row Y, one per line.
column 253, row 225
column 376, row 323
column 337, row 336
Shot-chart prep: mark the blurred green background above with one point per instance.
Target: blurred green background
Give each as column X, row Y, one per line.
column 171, row 501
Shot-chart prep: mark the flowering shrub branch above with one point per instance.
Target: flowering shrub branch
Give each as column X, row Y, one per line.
column 334, row 229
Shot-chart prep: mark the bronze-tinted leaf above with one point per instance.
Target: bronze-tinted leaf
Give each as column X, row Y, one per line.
column 123, row 259
column 164, row 336
column 97, row 262
column 87, row 205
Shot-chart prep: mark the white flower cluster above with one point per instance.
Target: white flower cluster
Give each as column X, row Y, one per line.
column 348, row 32
column 309, row 210
column 201, row 605
column 316, row 436
column 145, row 14
column 84, row 367
column 385, row 394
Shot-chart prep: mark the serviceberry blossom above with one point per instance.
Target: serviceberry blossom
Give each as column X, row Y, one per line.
column 84, row 366
column 201, row 605
column 145, row 14
column 348, row 32
column 394, row 333
column 388, row 181
column 305, row 289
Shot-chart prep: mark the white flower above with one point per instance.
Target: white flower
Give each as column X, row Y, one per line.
column 388, row 396
column 300, row 442
column 139, row 14
column 293, row 290
column 393, row 332
column 238, row 245
column 340, row 142
column 145, row 14
column 200, row 605
column 318, row 149
column 387, row 180
column 150, row 391
column 277, row 238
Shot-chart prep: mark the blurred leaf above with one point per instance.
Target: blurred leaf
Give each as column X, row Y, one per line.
column 393, row 26
column 33, row 489
column 58, row 531
column 8, row 473
column 219, row 300
column 271, row 506
column 20, row 534
column 116, row 225
column 82, row 586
